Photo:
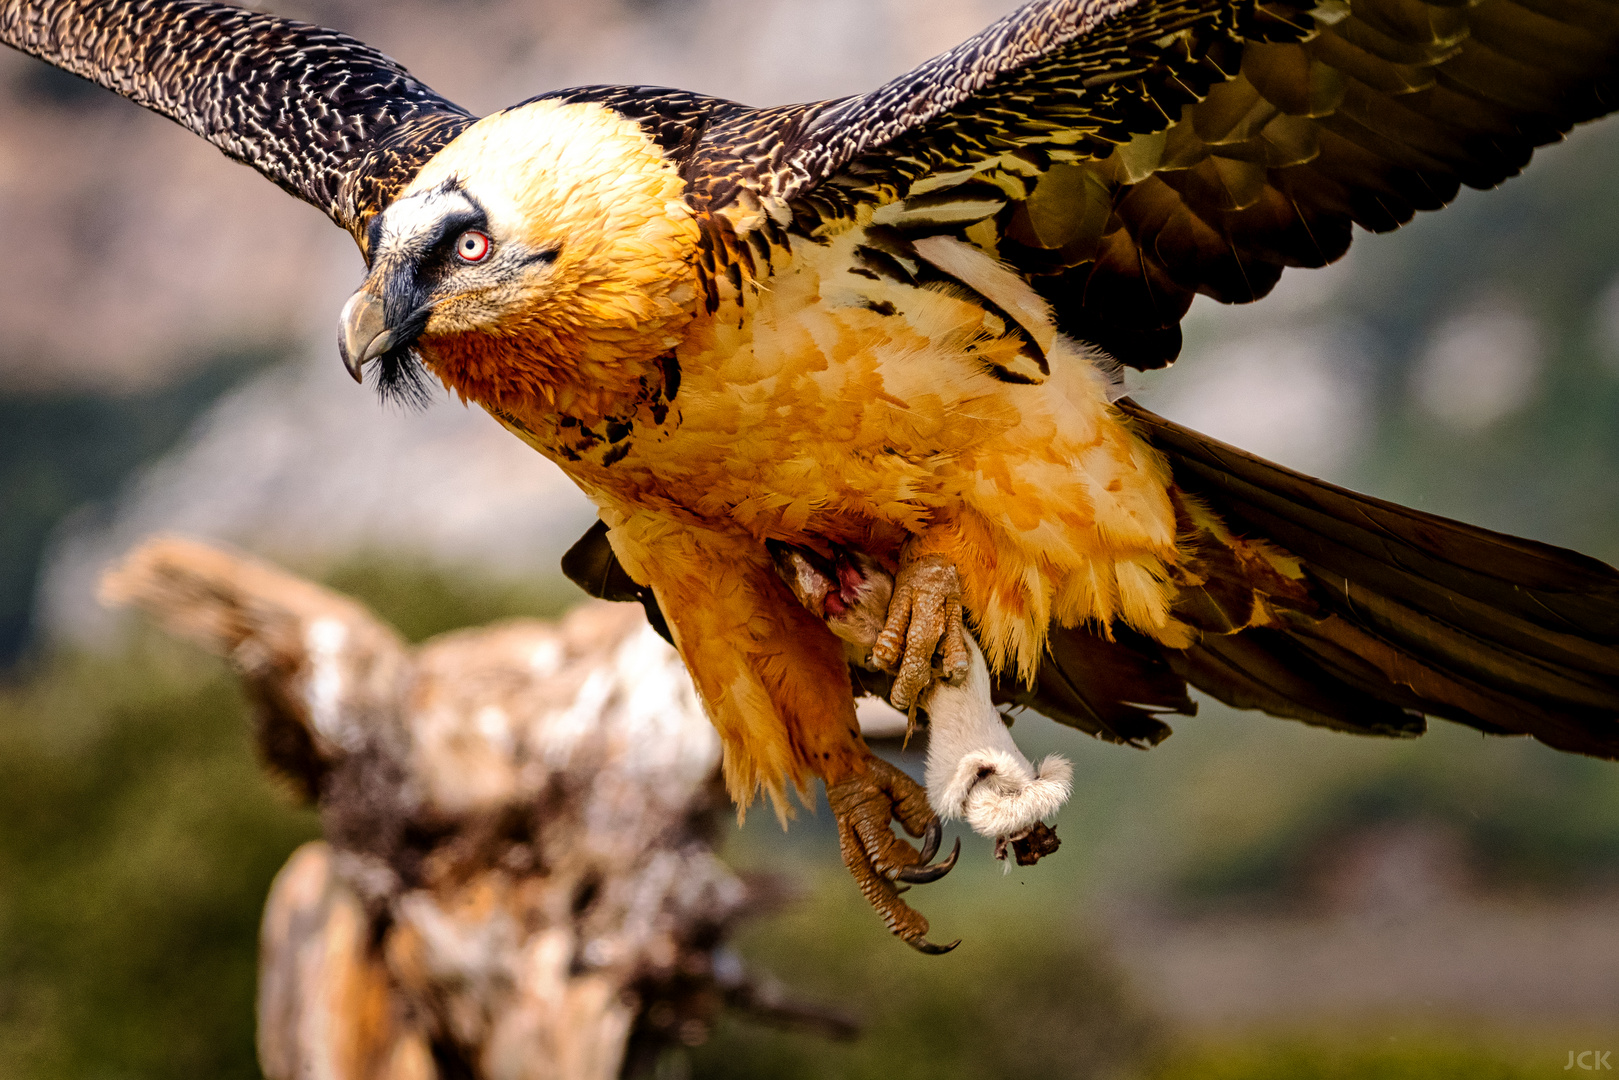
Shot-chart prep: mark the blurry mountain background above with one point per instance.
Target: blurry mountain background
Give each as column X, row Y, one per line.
column 1251, row 899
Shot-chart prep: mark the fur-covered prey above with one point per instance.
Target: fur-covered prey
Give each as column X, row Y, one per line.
column 857, row 324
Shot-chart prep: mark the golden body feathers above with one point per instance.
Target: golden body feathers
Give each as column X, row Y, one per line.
column 829, row 406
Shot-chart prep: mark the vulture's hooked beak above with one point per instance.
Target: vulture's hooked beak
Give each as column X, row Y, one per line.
column 363, row 333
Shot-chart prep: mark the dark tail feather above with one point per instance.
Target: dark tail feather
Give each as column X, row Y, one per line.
column 1409, row 613
column 1114, row 690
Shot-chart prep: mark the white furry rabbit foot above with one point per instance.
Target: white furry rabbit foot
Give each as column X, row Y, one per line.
column 1000, row 795
column 976, row 773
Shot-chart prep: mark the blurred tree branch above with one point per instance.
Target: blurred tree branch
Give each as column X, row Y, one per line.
column 518, row 878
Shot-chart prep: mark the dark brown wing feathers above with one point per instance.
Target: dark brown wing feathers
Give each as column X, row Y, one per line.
column 1405, row 611
column 329, row 119
column 1116, row 690
column 1391, row 616
column 1124, row 155
column 1127, row 156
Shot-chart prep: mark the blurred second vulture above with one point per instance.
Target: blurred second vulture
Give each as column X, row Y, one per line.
column 844, row 377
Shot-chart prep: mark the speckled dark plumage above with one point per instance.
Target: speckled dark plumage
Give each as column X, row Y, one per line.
column 329, row 119
column 1124, row 154
column 1129, row 155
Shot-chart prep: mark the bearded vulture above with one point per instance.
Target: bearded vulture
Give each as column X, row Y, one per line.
column 878, row 339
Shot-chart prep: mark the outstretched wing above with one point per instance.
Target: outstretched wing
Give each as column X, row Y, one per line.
column 329, row 119
column 1127, row 155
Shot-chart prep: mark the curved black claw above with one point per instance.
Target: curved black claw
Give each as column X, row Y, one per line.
column 930, row 840
column 923, row 945
column 921, row 874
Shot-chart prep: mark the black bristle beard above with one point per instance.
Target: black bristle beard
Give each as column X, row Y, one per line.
column 403, row 380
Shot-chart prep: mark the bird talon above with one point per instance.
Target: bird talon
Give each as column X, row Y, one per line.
column 882, row 864
column 930, row 841
column 924, row 619
column 922, row 874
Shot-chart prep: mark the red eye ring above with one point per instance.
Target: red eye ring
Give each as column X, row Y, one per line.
column 472, row 246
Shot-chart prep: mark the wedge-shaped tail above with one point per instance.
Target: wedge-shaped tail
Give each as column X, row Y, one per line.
column 1384, row 613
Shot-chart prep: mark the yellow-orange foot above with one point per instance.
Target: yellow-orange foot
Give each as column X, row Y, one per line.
column 864, row 805
column 924, row 617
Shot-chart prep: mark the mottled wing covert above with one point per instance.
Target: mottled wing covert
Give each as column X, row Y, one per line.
column 1126, row 156
column 329, row 119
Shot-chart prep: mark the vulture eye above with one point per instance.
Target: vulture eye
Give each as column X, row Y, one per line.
column 473, row 246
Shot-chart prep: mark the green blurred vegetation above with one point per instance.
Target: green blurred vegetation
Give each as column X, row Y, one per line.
column 139, row 840
column 1237, row 809
column 1028, row 993
column 1369, row 1057
column 1526, row 819
column 140, row 836
column 420, row 599
column 1550, row 240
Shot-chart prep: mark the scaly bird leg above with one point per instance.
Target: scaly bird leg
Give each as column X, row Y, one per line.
column 776, row 682
column 924, row 617
column 850, row 592
column 975, row 771
column 864, row 805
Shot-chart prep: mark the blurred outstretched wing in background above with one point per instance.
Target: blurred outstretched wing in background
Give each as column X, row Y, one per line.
column 1400, row 614
column 1378, row 616
column 331, row 120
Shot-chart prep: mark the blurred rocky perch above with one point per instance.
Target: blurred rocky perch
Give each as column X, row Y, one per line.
column 518, row 877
